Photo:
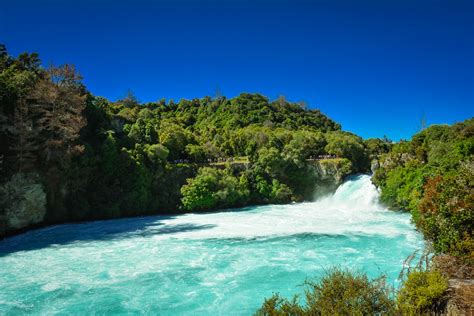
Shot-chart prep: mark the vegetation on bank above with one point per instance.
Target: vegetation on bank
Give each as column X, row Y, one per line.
column 338, row 292
column 345, row 292
column 422, row 292
column 100, row 159
column 432, row 176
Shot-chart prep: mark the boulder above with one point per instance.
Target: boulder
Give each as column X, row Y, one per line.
column 22, row 201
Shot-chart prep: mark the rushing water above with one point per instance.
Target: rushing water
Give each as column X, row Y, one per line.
column 201, row 264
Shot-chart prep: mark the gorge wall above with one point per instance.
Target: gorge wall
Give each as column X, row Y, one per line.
column 23, row 199
column 23, row 203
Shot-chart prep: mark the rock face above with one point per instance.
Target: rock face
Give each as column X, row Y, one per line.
column 331, row 174
column 374, row 165
column 22, row 202
column 460, row 294
column 334, row 170
column 395, row 160
column 461, row 297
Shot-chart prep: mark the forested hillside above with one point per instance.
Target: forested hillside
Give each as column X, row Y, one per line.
column 68, row 155
column 432, row 176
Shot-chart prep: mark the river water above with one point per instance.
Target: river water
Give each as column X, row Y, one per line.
column 221, row 263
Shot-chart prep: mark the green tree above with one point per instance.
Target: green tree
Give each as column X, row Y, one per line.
column 347, row 145
column 211, row 188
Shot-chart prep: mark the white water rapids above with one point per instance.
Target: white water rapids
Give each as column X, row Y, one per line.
column 221, row 263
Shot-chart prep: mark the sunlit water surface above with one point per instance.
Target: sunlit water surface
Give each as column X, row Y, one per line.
column 201, row 264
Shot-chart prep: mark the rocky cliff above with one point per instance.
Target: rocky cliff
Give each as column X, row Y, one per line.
column 331, row 174
column 22, row 202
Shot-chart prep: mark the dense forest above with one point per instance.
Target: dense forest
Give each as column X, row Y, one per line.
column 67, row 155
column 432, row 176
column 97, row 159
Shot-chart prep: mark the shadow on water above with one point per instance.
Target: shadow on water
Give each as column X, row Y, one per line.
column 95, row 231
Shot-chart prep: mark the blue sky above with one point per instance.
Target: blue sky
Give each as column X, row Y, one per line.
column 377, row 67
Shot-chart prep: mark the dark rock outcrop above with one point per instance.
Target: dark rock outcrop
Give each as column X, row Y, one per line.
column 22, row 202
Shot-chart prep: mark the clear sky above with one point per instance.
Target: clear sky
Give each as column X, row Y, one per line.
column 377, row 67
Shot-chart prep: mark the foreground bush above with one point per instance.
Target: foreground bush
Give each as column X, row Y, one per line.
column 421, row 292
column 339, row 292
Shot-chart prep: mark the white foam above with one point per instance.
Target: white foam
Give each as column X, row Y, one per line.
column 352, row 210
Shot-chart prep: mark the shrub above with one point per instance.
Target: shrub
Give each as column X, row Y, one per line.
column 421, row 292
column 349, row 293
column 339, row 292
column 347, row 145
column 213, row 188
column 281, row 193
column 279, row 306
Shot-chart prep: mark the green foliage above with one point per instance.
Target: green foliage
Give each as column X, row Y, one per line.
column 350, row 146
column 270, row 161
column 143, row 131
column 280, row 193
column 196, row 153
column 431, row 176
column 303, row 145
column 156, row 153
column 338, row 292
column 136, row 185
column 280, row 306
column 349, row 293
column 127, row 114
column 421, row 291
column 198, row 194
column 446, row 213
column 377, row 146
column 403, row 187
column 291, row 175
column 212, row 187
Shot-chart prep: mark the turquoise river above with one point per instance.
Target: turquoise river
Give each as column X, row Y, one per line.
column 222, row 263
